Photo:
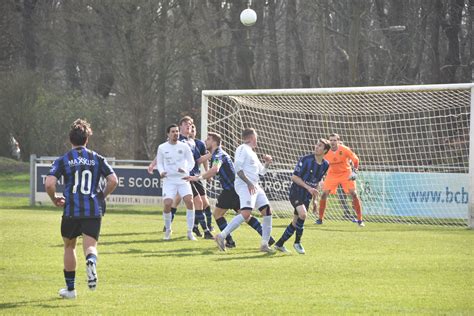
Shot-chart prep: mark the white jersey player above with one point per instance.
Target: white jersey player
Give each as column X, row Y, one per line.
column 173, row 161
column 248, row 168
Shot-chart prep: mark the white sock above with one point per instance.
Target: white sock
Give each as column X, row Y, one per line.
column 266, row 229
column 234, row 223
column 190, row 219
column 167, row 219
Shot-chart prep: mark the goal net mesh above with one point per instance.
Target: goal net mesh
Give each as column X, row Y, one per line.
column 413, row 146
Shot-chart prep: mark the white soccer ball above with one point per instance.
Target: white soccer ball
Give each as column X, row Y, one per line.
column 248, row 17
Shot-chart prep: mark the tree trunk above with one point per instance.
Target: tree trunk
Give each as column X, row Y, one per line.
column 452, row 59
column 274, row 73
column 29, row 37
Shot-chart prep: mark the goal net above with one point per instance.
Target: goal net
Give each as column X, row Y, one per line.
column 412, row 142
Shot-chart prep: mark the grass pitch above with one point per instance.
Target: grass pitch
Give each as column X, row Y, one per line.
column 380, row 269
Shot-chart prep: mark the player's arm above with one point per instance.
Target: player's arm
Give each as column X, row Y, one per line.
column 301, row 183
column 211, row 172
column 263, row 168
column 240, row 159
column 152, row 166
column 355, row 164
column 50, row 185
column 160, row 163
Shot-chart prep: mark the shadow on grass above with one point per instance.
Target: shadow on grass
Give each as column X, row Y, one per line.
column 127, row 234
column 247, row 255
column 38, row 303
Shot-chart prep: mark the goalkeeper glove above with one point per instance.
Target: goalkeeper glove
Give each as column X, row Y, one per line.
column 353, row 175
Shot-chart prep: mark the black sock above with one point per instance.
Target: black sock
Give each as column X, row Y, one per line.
column 289, row 231
column 208, row 213
column 222, row 224
column 299, row 230
column 199, row 216
column 70, row 277
column 255, row 224
column 173, row 212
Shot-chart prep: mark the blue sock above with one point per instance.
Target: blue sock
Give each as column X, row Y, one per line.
column 208, row 213
column 299, row 230
column 70, row 277
column 222, row 224
column 92, row 257
column 199, row 216
column 289, row 231
column 173, row 212
column 255, row 224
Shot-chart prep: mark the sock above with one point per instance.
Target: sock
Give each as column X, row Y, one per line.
column 70, row 277
column 167, row 219
column 255, row 224
column 208, row 213
column 222, row 224
column 357, row 208
column 289, row 231
column 234, row 223
column 199, row 217
column 322, row 207
column 173, row 213
column 299, row 230
column 92, row 257
column 190, row 219
column 266, row 228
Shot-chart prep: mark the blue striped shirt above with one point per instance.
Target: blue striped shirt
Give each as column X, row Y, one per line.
column 198, row 148
column 82, row 169
column 226, row 174
column 311, row 173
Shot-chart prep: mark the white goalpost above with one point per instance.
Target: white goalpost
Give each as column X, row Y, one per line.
column 416, row 158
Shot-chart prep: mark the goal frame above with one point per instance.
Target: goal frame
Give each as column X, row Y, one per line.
column 359, row 90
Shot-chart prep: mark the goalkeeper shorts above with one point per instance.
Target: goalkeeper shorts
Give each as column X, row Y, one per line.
column 332, row 182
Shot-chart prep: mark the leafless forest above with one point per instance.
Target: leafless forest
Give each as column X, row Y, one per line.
column 133, row 67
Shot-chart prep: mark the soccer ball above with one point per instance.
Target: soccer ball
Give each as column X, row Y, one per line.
column 248, row 17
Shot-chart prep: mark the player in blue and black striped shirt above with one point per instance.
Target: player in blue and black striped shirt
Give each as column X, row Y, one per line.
column 223, row 168
column 83, row 203
column 309, row 171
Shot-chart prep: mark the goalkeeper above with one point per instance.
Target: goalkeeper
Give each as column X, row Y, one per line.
column 340, row 173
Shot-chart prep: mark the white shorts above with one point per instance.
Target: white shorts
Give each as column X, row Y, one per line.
column 171, row 189
column 253, row 201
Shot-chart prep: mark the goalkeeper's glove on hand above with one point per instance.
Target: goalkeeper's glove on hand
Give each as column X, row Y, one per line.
column 353, row 175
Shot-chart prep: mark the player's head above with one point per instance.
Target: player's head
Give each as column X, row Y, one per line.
column 185, row 124
column 213, row 140
column 173, row 133
column 80, row 132
column 249, row 136
column 192, row 133
column 334, row 140
column 322, row 147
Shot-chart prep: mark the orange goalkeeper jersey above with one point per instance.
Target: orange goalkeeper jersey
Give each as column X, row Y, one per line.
column 339, row 160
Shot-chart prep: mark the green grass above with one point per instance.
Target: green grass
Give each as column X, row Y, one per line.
column 381, row 269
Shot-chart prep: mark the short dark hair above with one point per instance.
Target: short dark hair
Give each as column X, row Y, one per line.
column 247, row 132
column 168, row 129
column 326, row 143
column 186, row 118
column 335, row 135
column 80, row 132
column 215, row 137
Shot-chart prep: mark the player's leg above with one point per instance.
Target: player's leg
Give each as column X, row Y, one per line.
column 263, row 206
column 198, row 194
column 298, row 223
column 355, row 202
column 207, row 211
column 70, row 229
column 186, row 192
column 174, row 209
column 170, row 190
column 228, row 199
column 90, row 237
column 341, row 196
column 289, row 231
column 329, row 187
column 255, row 224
